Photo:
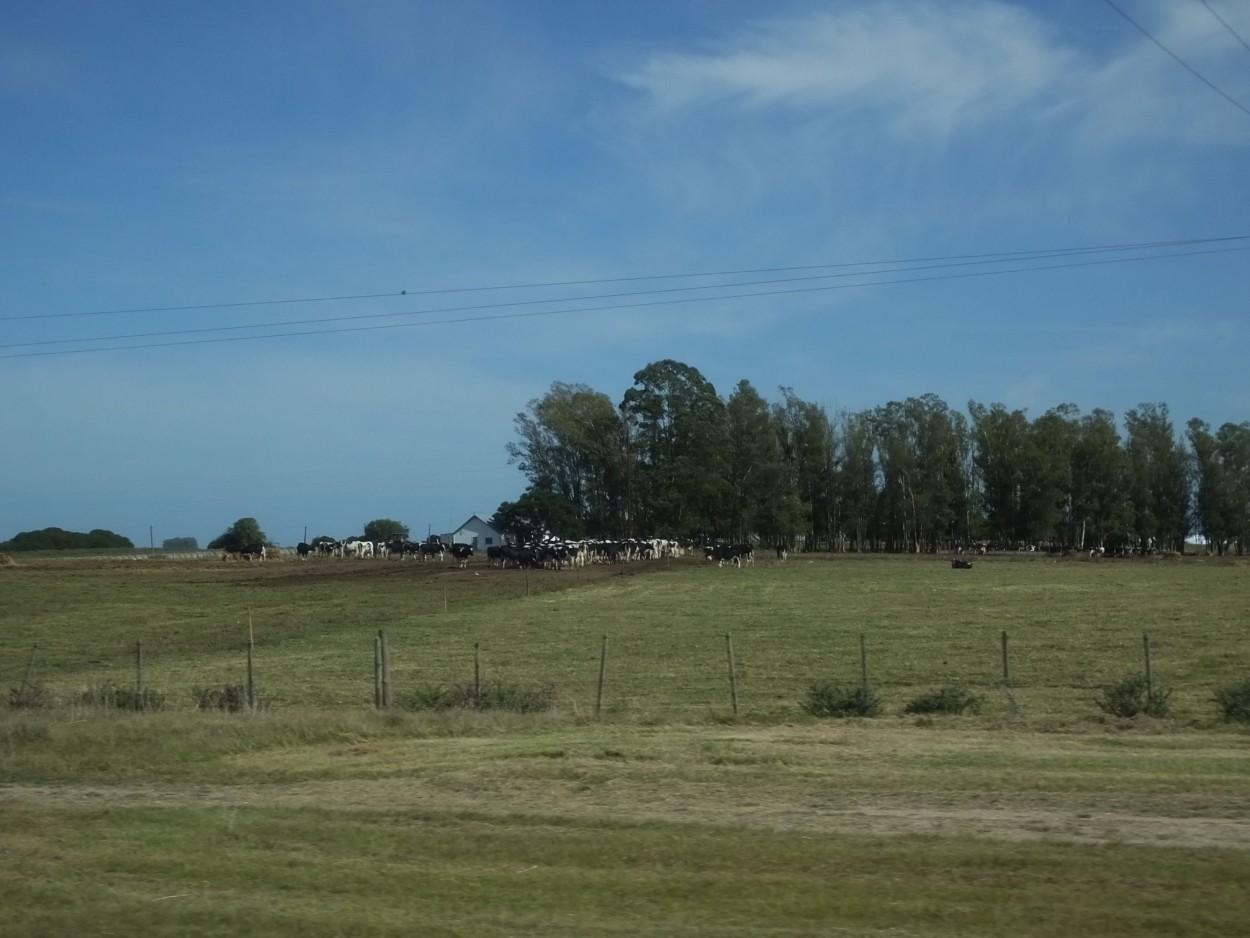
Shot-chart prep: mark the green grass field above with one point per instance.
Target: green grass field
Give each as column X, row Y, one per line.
column 667, row 816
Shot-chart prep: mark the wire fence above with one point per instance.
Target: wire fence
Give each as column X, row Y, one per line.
column 632, row 675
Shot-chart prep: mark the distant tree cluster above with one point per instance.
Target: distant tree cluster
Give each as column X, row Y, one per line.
column 57, row 539
column 675, row 459
column 180, row 543
column 243, row 533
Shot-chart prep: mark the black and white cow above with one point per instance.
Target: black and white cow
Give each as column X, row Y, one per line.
column 737, row 554
column 461, row 553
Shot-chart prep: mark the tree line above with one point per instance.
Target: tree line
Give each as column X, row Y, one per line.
column 58, row 539
column 675, row 459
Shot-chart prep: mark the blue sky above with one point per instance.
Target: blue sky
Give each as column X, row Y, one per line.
column 192, row 154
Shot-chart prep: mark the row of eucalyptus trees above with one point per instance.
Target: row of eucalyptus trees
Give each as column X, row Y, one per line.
column 673, row 458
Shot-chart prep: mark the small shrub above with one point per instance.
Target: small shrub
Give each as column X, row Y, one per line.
column 107, row 696
column 31, row 696
column 826, row 699
column 948, row 699
column 492, row 695
column 1130, row 697
column 231, row 698
column 1234, row 702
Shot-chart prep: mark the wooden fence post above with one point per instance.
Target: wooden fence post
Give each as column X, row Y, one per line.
column 139, row 675
column 477, row 671
column 384, row 647
column 1015, row 707
column 603, row 671
column 863, row 666
column 251, row 673
column 377, row 671
column 1145, row 644
column 733, row 677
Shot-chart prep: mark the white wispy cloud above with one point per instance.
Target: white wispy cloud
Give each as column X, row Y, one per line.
column 933, row 67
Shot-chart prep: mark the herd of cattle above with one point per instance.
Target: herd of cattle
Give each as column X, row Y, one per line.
column 551, row 553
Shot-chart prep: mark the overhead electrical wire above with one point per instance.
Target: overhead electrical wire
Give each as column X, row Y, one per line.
column 1016, row 255
column 1225, row 24
column 1183, row 64
column 619, row 306
column 1003, row 255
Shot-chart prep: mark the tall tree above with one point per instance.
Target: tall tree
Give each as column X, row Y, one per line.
column 571, row 443
column 857, row 481
column 1100, row 507
column 1222, row 484
column 809, row 461
column 1048, row 476
column 921, row 447
column 676, row 430
column 753, row 470
column 1158, row 478
column 1000, row 438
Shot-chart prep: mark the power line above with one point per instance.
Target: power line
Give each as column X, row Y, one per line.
column 1004, row 256
column 1224, row 23
column 1185, row 65
column 988, row 259
column 622, row 306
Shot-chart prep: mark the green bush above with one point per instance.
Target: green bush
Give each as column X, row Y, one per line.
column 1131, row 696
column 30, row 696
column 492, row 695
column 231, row 698
column 1234, row 702
column 948, row 699
column 827, row 699
column 109, row 697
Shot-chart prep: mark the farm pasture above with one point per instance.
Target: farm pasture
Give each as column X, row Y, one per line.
column 667, row 816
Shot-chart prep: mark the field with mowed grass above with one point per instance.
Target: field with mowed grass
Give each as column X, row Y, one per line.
column 674, row 782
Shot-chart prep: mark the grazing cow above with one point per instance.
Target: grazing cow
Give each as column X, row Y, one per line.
column 433, row 550
column 246, row 552
column 737, row 554
column 462, row 553
column 959, row 563
column 303, row 550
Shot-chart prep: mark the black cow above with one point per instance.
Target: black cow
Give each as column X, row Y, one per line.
column 462, row 553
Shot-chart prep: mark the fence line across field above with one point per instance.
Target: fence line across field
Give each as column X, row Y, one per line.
column 742, row 686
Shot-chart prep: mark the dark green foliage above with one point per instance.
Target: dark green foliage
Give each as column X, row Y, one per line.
column 57, row 539
column 948, row 699
column 384, row 529
column 1234, row 702
column 537, row 513
column 827, row 699
column 110, row 697
column 1131, row 697
column 180, row 543
column 30, row 696
column 243, row 533
column 492, row 695
column 231, row 698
